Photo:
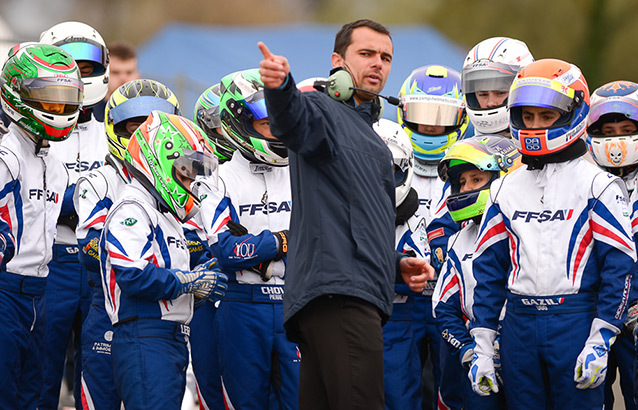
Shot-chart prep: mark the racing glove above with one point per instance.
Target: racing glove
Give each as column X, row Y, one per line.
column 282, row 244
column 482, row 374
column 206, row 281
column 236, row 229
column 7, row 249
column 591, row 364
column 466, row 354
column 264, row 270
column 631, row 321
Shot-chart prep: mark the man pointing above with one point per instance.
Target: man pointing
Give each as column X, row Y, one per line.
column 341, row 261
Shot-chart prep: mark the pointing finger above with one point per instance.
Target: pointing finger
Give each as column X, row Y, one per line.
column 264, row 50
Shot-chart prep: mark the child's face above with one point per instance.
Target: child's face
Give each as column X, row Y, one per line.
column 491, row 99
column 539, row 117
column 263, row 127
column 619, row 128
column 473, row 179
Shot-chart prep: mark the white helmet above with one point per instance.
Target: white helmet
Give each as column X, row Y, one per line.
column 84, row 43
column 492, row 66
column 402, row 154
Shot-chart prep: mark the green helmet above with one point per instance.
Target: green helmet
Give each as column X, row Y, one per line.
column 163, row 152
column 207, row 117
column 491, row 153
column 134, row 101
column 242, row 102
column 42, row 90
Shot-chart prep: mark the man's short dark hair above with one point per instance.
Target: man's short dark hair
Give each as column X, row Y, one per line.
column 122, row 50
column 344, row 36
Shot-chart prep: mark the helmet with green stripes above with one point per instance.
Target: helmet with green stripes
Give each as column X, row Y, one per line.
column 41, row 90
column 242, row 102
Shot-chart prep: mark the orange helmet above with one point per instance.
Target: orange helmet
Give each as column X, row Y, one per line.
column 555, row 85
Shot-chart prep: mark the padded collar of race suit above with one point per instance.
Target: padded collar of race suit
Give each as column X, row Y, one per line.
column 575, row 150
column 407, row 208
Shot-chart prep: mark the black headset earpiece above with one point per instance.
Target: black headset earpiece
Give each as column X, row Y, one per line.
column 340, row 84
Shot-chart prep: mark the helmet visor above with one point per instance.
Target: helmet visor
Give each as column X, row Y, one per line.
column 256, row 105
column 88, row 50
column 488, row 76
column 139, row 107
column 192, row 164
column 432, row 110
column 541, row 92
column 613, row 105
column 43, row 93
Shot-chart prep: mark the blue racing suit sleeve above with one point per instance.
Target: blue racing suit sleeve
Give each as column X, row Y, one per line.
column 68, row 208
column 616, row 250
column 89, row 254
column 236, row 253
column 450, row 323
column 197, row 247
column 490, row 267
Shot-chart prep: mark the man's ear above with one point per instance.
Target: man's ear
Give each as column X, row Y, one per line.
column 337, row 60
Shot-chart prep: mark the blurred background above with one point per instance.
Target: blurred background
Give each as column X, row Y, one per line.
column 190, row 44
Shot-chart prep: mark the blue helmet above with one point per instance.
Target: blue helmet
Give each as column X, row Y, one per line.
column 431, row 97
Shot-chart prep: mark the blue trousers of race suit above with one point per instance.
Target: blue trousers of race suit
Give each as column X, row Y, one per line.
column 204, row 358
column 150, row 358
column 539, row 350
column 68, row 300
column 462, row 397
column 23, row 324
column 621, row 360
column 98, row 383
column 401, row 364
column 428, row 341
column 256, row 359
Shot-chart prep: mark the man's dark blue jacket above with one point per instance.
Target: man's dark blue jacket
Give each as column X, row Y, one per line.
column 343, row 207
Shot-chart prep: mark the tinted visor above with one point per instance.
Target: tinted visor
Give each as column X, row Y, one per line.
column 613, row 106
column 192, row 164
column 256, row 105
column 488, row 76
column 139, row 107
column 432, row 110
column 88, row 50
column 540, row 92
column 40, row 93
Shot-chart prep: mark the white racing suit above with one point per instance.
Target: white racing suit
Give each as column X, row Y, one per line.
column 556, row 244
column 31, row 191
column 140, row 248
column 249, row 321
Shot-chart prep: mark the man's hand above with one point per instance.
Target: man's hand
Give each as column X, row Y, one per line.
column 416, row 272
column 273, row 69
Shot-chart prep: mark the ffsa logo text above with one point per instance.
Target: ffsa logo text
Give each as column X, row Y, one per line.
column 547, row 215
column 39, row 193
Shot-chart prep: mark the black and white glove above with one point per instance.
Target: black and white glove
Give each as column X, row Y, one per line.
column 631, row 321
column 264, row 269
column 282, row 243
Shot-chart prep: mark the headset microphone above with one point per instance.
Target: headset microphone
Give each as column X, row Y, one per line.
column 390, row 99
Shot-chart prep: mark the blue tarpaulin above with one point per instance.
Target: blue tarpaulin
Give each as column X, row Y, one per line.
column 189, row 58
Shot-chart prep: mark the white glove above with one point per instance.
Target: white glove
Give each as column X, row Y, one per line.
column 591, row 364
column 205, row 281
column 482, row 374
